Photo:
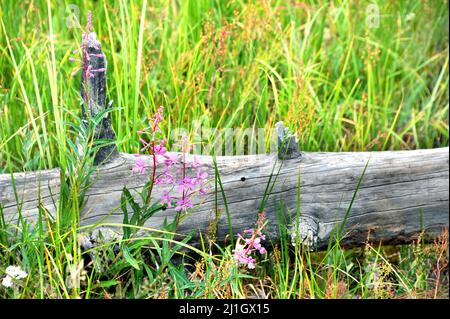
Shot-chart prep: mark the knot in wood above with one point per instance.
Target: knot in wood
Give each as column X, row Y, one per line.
column 307, row 232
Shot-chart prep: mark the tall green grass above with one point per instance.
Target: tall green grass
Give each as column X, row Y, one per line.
column 317, row 66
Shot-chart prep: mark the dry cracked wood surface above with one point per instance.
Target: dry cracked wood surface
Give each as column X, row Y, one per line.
column 401, row 193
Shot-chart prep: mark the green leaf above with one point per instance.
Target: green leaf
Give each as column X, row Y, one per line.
column 108, row 283
column 150, row 212
column 136, row 208
column 129, row 258
column 123, row 205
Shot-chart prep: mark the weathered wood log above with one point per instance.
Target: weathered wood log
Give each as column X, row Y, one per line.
column 401, row 194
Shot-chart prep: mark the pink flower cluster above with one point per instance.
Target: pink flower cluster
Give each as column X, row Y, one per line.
column 182, row 186
column 242, row 253
column 87, row 40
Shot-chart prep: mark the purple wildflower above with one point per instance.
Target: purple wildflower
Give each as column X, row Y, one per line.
column 139, row 166
column 87, row 40
column 243, row 251
column 169, row 179
column 183, row 204
column 186, row 184
column 160, row 149
column 75, row 72
column 195, row 162
column 166, row 199
column 201, row 175
column 171, row 159
column 183, row 183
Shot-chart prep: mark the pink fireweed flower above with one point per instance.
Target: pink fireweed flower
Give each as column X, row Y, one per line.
column 183, row 204
column 158, row 116
column 98, row 55
column 184, row 179
column 186, row 184
column 257, row 245
column 75, row 72
column 159, row 149
column 243, row 258
column 139, row 166
column 169, row 179
column 90, row 71
column 246, row 246
column 195, row 162
column 145, row 144
column 171, row 159
column 99, row 70
column 86, row 40
column 154, row 121
column 200, row 176
column 88, row 28
column 89, row 21
column 166, row 199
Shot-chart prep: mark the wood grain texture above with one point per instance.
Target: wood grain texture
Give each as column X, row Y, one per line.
column 401, row 193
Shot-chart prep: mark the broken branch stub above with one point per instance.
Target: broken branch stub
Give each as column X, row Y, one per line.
column 288, row 147
column 93, row 92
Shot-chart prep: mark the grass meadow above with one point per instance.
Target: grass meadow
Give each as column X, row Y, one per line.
column 345, row 75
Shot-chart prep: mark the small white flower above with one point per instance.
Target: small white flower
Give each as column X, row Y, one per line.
column 13, row 272
column 7, row 282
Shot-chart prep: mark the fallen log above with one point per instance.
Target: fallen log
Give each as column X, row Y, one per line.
column 401, row 194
